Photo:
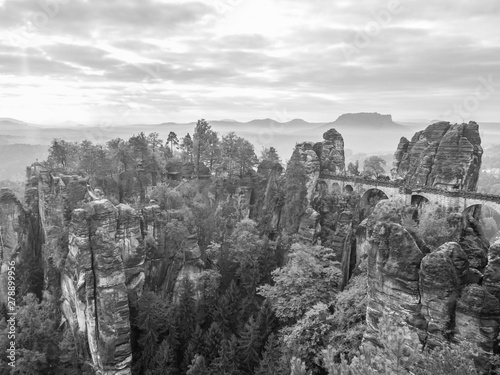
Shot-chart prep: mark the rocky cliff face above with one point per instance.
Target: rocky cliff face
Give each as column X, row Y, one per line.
column 443, row 155
column 16, row 236
column 94, row 290
column 434, row 294
column 96, row 257
column 330, row 217
column 326, row 156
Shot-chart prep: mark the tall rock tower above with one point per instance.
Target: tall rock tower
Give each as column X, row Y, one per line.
column 443, row 155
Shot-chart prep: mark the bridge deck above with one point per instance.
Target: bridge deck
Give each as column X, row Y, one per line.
column 413, row 189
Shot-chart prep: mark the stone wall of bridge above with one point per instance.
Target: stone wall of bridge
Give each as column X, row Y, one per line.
column 341, row 184
column 458, row 200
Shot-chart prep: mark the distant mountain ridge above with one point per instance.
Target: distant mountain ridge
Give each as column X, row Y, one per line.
column 362, row 119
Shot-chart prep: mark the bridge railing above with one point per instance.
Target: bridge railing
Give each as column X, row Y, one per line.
column 412, row 189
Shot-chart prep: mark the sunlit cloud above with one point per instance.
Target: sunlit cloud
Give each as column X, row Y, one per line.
column 172, row 60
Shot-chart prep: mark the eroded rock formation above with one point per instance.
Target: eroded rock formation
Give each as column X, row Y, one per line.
column 96, row 257
column 393, row 265
column 435, row 295
column 94, row 286
column 329, row 218
column 16, row 236
column 443, row 155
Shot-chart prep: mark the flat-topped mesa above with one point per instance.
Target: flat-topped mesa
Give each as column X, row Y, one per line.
column 443, row 155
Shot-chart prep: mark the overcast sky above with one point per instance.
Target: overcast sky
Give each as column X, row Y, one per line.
column 150, row 61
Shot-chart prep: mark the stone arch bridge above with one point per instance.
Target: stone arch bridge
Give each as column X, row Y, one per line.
column 459, row 200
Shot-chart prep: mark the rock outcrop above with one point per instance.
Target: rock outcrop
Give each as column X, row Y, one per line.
column 95, row 295
column 312, row 164
column 328, row 219
column 331, row 152
column 477, row 318
column 393, row 266
column 492, row 272
column 326, row 156
column 435, row 295
column 16, row 237
column 442, row 273
column 96, row 257
column 443, row 155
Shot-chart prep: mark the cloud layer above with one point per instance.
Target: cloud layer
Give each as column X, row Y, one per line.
column 156, row 61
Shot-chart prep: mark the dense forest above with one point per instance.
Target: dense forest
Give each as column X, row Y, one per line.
column 267, row 300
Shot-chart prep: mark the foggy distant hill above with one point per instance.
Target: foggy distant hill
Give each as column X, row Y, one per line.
column 366, row 121
column 367, row 133
column 359, row 131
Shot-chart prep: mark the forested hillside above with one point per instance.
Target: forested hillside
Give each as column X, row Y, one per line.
column 194, row 255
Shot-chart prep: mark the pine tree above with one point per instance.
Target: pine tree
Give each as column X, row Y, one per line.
column 248, row 345
column 164, row 362
column 226, row 363
column 272, row 362
column 196, row 346
column 226, row 312
column 186, row 312
column 172, row 139
column 153, row 321
column 213, row 340
column 266, row 322
column 198, row 366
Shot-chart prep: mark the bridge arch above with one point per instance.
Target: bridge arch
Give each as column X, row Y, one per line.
column 348, row 189
column 418, row 200
column 369, row 200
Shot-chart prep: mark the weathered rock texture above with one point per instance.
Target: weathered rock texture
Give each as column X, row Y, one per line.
column 16, row 236
column 331, row 152
column 326, row 156
column 393, row 265
column 312, row 164
column 93, row 256
column 492, row 273
column 330, row 216
column 443, row 155
column 94, row 287
column 435, row 295
column 477, row 318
